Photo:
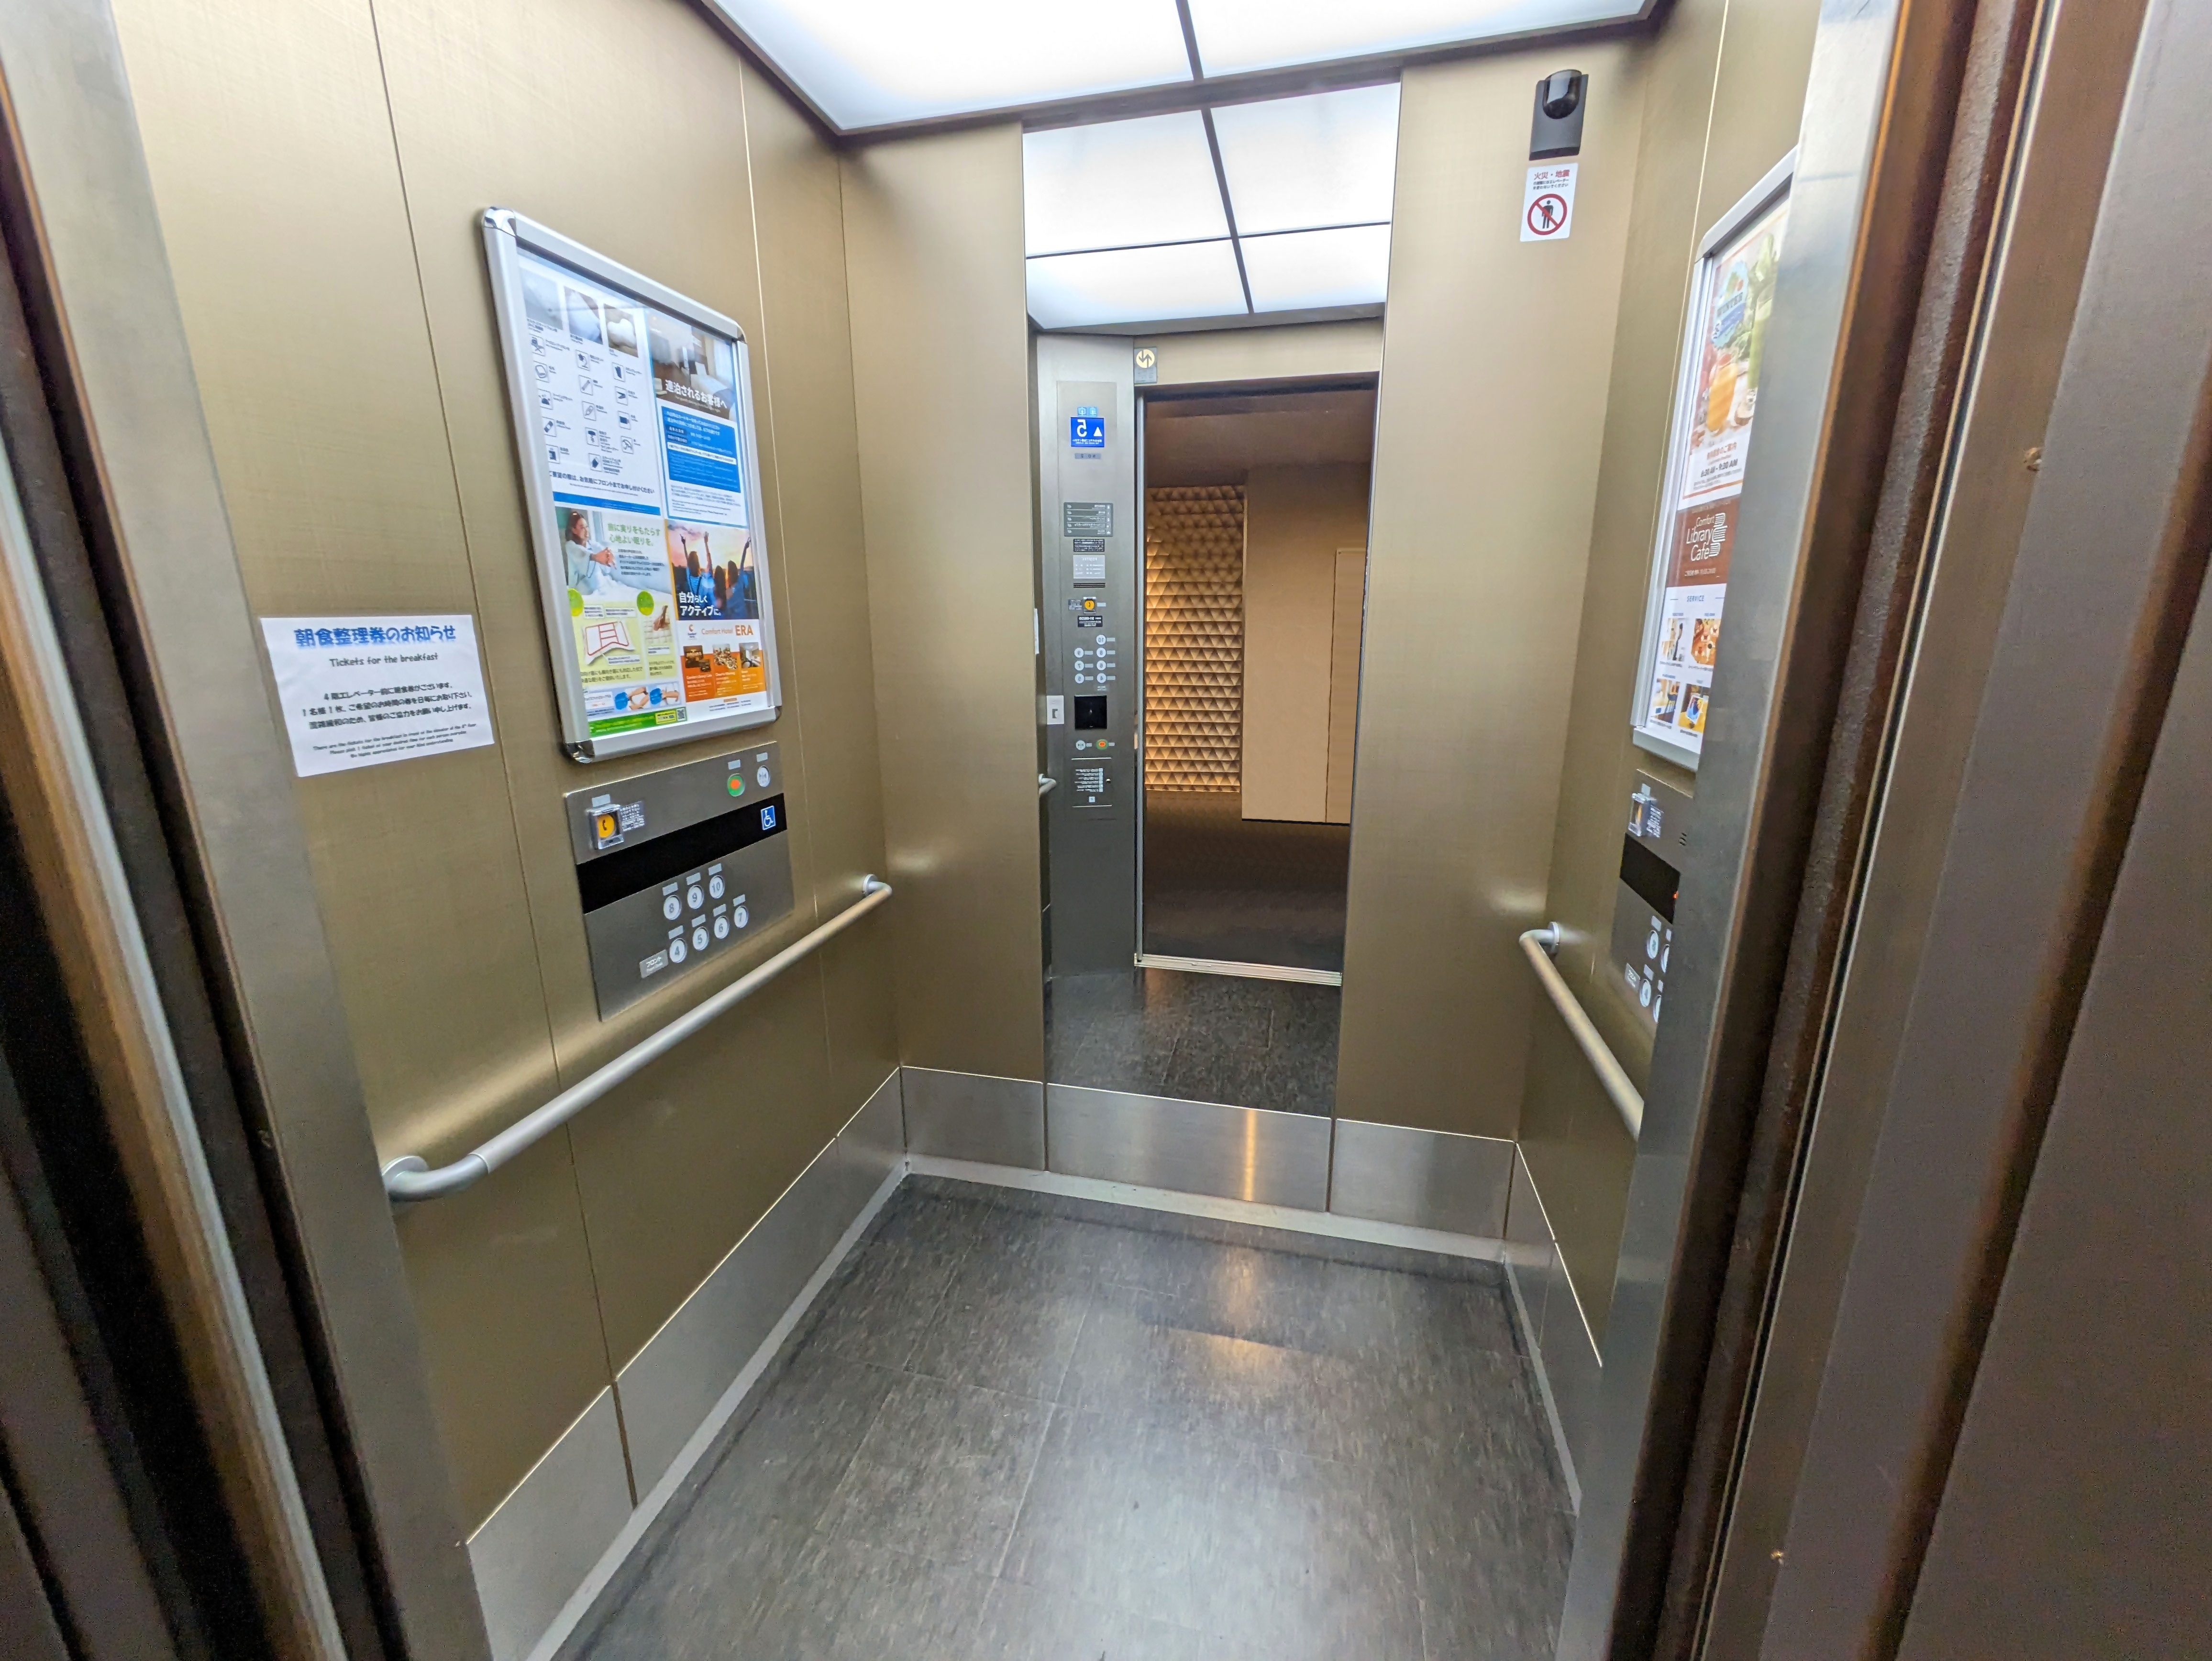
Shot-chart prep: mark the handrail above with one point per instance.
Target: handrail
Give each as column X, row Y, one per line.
column 1046, row 784
column 411, row 1176
column 1627, row 1100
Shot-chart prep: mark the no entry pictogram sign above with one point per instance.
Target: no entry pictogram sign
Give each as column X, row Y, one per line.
column 1548, row 205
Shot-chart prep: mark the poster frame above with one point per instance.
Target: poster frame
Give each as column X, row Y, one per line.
column 1770, row 193
column 508, row 236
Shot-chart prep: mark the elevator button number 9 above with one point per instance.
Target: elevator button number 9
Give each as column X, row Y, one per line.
column 694, row 897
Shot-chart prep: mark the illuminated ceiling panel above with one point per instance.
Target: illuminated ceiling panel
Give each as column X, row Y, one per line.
column 1132, row 223
column 1135, row 285
column 1117, row 184
column 871, row 62
column 1296, row 162
column 1314, row 270
column 1236, row 37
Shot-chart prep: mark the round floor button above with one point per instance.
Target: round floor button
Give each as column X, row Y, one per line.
column 722, row 928
column 675, row 952
column 695, row 898
column 698, row 940
column 738, row 917
column 714, row 886
column 671, row 908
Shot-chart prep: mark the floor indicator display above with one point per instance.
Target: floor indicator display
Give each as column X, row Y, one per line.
column 674, row 867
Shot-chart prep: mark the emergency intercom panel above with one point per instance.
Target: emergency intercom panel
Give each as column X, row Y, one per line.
column 675, row 868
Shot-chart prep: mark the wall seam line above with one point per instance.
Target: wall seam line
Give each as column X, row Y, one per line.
column 506, row 777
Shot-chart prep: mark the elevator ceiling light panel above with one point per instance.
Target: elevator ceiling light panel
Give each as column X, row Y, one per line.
column 1136, row 285
column 1119, row 183
column 872, row 63
column 1315, row 271
column 1133, row 222
column 1236, row 37
column 1293, row 163
column 876, row 62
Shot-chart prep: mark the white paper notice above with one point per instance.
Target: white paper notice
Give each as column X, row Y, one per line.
column 361, row 691
column 1547, row 206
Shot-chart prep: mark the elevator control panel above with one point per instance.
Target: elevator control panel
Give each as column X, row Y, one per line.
column 1089, row 593
column 677, row 868
column 1651, row 852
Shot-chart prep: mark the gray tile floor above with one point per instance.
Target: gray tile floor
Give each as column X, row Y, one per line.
column 1199, row 1037
column 1218, row 884
column 1019, row 1436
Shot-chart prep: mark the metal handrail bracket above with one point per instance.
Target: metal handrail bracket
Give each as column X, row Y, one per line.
column 412, row 1177
column 1539, row 944
column 1046, row 784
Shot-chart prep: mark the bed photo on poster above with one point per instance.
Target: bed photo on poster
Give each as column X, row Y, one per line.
column 622, row 615
column 692, row 366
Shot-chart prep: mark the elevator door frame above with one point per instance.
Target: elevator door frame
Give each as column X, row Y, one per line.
column 242, row 969
column 1870, row 167
column 1892, row 1308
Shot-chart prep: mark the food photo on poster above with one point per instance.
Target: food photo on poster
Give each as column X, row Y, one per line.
column 1733, row 305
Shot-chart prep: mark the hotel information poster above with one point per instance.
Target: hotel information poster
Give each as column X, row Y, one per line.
column 634, row 420
column 1731, row 305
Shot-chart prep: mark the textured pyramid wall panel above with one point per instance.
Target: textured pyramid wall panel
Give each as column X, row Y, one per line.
column 1194, row 637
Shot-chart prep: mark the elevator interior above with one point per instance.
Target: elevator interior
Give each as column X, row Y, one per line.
column 524, row 1256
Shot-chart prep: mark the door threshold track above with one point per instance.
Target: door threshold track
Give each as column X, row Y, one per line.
column 1250, row 971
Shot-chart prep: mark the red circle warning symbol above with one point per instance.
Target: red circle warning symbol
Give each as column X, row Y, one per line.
column 1548, row 213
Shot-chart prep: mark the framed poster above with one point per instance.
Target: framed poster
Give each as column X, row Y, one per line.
column 1709, row 442
column 634, row 422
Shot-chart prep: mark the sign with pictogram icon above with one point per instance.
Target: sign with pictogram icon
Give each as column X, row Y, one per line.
column 1548, row 205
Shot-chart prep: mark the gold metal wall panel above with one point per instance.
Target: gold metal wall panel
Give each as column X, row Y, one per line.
column 1299, row 351
column 321, row 176
column 1493, row 398
column 675, row 1166
column 1579, row 1155
column 940, row 356
column 1714, row 122
column 502, row 1279
column 1194, row 637
column 810, row 453
column 282, row 208
column 483, row 100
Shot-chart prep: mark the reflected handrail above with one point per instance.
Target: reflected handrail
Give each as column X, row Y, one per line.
column 412, row 1177
column 1627, row 1100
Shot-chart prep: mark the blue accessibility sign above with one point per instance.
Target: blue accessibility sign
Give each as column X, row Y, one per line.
column 1086, row 430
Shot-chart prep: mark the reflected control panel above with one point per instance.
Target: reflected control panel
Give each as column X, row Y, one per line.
column 676, row 867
